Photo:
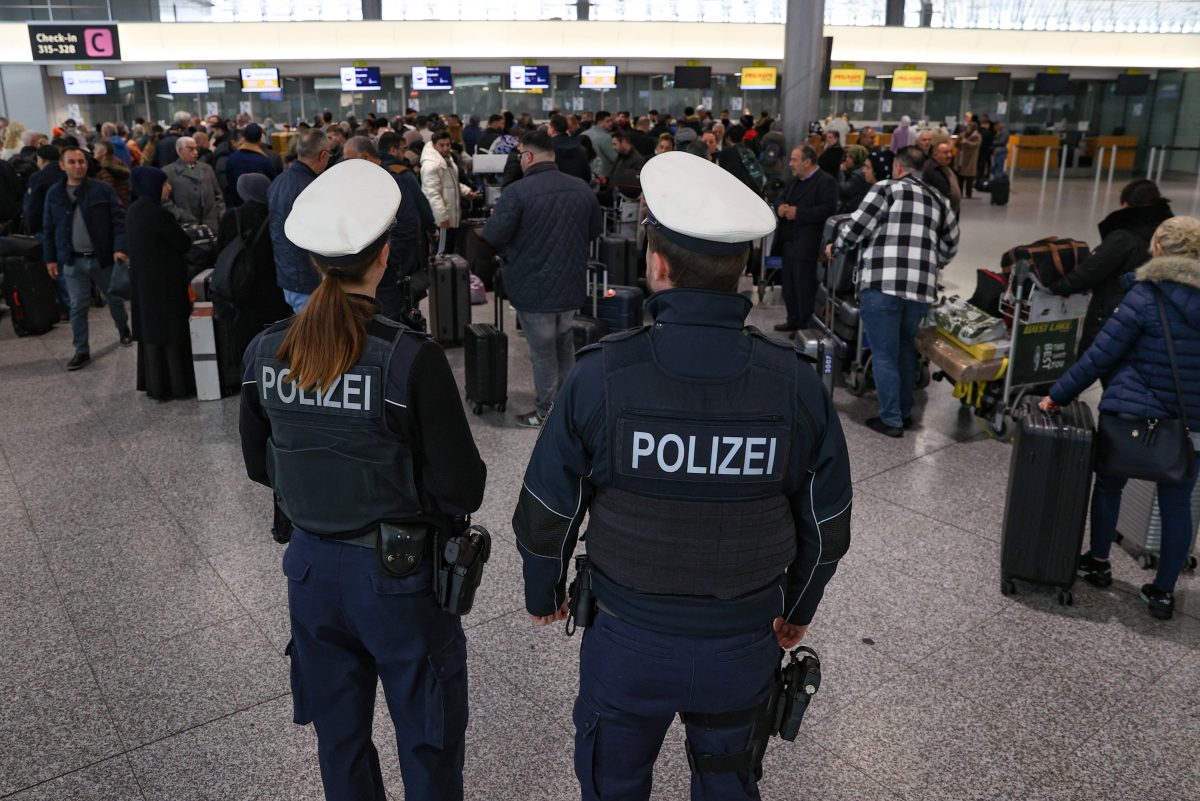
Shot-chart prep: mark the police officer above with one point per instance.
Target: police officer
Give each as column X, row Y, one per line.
column 714, row 470
column 354, row 421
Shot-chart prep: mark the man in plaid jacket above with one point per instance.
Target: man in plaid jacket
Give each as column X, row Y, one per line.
column 907, row 233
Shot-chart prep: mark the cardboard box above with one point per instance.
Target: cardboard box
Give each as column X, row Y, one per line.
column 955, row 362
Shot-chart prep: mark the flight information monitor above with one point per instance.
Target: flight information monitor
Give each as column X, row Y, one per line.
column 84, row 82
column 260, row 79
column 431, row 79
column 187, row 82
column 523, row 77
column 361, row 79
column 598, row 77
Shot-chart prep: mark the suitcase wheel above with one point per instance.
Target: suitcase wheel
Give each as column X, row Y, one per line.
column 1065, row 598
column 1191, row 563
column 1008, row 587
column 478, row 409
column 1118, row 537
column 1148, row 561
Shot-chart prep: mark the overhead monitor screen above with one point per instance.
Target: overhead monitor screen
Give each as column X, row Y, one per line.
column 260, row 79
column 847, row 80
column 431, row 79
column 995, row 83
column 909, row 80
column 693, row 77
column 759, row 78
column 1133, row 85
column 523, row 77
column 1050, row 83
column 187, row 82
column 361, row 79
column 598, row 77
column 84, row 82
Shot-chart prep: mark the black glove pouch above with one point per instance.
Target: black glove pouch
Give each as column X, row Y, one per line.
column 401, row 546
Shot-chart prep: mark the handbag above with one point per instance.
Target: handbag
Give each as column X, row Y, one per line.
column 1151, row 450
column 119, row 283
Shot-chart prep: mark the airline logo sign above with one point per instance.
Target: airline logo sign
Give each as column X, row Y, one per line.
column 847, row 80
column 759, row 77
column 75, row 43
column 909, row 80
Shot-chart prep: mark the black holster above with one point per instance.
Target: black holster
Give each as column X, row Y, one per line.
column 460, row 566
column 581, row 600
column 281, row 527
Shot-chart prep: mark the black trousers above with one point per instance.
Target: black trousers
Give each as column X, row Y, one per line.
column 799, row 284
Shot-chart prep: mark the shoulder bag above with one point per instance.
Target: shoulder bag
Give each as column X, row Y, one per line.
column 1152, row 450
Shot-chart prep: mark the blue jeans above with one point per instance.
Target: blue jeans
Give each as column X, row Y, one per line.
column 296, row 300
column 632, row 684
column 891, row 324
column 1175, row 507
column 552, row 351
column 80, row 275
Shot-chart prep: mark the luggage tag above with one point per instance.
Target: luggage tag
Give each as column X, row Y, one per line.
column 401, row 546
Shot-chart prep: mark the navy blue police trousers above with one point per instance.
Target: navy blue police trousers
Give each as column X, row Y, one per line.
column 353, row 623
column 633, row 682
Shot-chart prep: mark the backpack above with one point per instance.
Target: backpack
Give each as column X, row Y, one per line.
column 771, row 158
column 757, row 176
column 233, row 274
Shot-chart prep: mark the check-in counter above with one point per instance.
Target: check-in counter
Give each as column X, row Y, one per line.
column 1031, row 150
column 1126, row 150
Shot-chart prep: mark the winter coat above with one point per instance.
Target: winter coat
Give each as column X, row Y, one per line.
column 626, row 176
column 196, row 192
column 606, row 155
column 294, row 271
column 442, row 188
column 1131, row 350
column 164, row 151
column 102, row 214
column 544, row 224
column 158, row 260
column 1124, row 246
column 35, row 196
column 11, row 193
column 407, row 253
column 852, row 188
column 815, row 199
column 945, row 181
column 266, row 303
column 246, row 159
column 570, row 158
column 831, row 159
column 966, row 162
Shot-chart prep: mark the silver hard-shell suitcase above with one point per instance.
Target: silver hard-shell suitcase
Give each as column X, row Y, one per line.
column 1139, row 526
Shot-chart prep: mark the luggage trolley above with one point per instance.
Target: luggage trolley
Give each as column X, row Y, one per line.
column 1044, row 343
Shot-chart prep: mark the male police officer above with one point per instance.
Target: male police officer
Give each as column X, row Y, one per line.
column 715, row 473
column 380, row 438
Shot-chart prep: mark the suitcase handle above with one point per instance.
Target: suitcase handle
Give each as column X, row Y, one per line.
column 593, row 285
column 497, row 282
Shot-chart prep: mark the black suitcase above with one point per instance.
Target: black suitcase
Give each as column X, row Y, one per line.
column 28, row 288
column 821, row 349
column 620, row 257
column 480, row 256
column 587, row 331
column 449, row 298
column 485, row 353
column 1049, row 484
column 617, row 307
column 999, row 190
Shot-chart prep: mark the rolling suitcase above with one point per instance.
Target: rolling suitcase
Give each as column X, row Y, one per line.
column 620, row 257
column 28, row 287
column 822, row 350
column 1139, row 526
column 586, row 330
column 999, row 190
column 1049, row 483
column 617, row 307
column 485, row 353
column 449, row 296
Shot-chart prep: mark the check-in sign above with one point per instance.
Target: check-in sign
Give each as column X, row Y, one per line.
column 75, row 43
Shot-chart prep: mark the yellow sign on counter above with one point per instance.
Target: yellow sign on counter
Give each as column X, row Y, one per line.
column 759, row 77
column 847, row 80
column 909, row 80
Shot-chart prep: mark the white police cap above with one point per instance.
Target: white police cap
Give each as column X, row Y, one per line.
column 346, row 210
column 701, row 207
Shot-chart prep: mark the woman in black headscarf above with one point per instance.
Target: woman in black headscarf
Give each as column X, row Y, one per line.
column 161, row 306
column 264, row 303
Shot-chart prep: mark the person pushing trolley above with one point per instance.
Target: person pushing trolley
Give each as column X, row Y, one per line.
column 712, row 466
column 355, row 422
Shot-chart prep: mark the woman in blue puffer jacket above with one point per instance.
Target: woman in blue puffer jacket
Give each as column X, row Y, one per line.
column 1131, row 352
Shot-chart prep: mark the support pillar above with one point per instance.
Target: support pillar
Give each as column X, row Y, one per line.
column 803, row 51
column 23, row 96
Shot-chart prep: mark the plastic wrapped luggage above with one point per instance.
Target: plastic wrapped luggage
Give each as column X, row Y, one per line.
column 449, row 299
column 28, row 287
column 822, row 350
column 485, row 357
column 1140, row 523
column 1049, row 484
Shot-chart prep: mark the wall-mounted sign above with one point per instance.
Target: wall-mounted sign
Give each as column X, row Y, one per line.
column 909, row 80
column 847, row 80
column 74, row 42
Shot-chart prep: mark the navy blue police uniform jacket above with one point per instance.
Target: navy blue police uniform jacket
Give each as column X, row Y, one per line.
column 420, row 405
column 698, row 341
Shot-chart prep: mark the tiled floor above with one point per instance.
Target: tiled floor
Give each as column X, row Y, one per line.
column 143, row 614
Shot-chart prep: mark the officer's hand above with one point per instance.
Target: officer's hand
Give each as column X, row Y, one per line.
column 561, row 614
column 789, row 635
column 1047, row 405
column 829, row 252
column 119, row 256
column 52, row 268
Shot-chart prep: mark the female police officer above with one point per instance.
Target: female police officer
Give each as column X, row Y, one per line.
column 355, row 420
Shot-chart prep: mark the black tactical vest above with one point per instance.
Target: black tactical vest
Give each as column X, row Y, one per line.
column 335, row 466
column 695, row 504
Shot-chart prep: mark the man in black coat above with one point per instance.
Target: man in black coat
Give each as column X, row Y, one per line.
column 568, row 153
column 1124, row 246
column 808, row 200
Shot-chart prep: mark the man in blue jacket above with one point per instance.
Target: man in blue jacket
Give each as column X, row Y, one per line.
column 83, row 231
column 293, row 271
column 544, row 224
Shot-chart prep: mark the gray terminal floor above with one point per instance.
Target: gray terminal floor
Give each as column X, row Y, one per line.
column 143, row 613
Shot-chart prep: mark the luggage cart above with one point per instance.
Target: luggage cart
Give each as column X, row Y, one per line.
column 1045, row 339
